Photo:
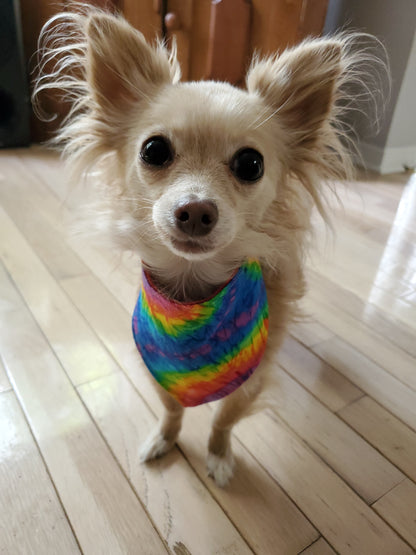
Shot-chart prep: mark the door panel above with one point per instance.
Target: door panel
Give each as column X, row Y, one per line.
column 215, row 38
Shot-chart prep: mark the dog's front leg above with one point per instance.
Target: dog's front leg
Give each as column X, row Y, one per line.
column 239, row 404
column 167, row 431
column 230, row 410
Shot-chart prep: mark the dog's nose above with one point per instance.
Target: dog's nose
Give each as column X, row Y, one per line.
column 196, row 218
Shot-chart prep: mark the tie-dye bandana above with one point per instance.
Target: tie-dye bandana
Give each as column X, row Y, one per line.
column 201, row 352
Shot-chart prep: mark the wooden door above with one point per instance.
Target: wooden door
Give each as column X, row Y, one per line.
column 34, row 14
column 141, row 13
column 278, row 24
column 223, row 49
column 144, row 15
column 215, row 38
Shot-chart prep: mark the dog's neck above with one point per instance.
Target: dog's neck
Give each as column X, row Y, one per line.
column 188, row 281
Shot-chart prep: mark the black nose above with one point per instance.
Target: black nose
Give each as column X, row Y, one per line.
column 196, row 218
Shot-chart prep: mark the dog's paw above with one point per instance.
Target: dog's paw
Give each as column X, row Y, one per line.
column 221, row 469
column 154, row 447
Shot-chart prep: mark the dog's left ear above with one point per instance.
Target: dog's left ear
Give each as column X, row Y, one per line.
column 121, row 66
column 299, row 86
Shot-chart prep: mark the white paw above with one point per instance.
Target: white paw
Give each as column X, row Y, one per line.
column 221, row 468
column 155, row 446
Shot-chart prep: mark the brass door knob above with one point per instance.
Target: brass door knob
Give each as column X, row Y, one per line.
column 172, row 22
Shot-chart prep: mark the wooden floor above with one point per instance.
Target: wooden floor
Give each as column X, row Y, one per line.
column 333, row 469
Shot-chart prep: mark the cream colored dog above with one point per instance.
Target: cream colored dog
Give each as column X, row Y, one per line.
column 202, row 175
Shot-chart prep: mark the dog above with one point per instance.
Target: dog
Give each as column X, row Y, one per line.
column 210, row 185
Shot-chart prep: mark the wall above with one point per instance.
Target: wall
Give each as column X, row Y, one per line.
column 394, row 23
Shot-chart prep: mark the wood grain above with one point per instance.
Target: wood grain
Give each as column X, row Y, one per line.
column 379, row 427
column 85, row 474
column 143, row 16
column 398, row 333
column 32, row 519
column 74, row 343
column 320, row 547
column 328, row 385
column 398, row 508
column 312, row 18
column 229, row 36
column 4, row 380
column 342, row 517
column 378, row 383
column 182, row 10
column 39, row 214
column 310, row 332
column 363, row 337
column 362, row 467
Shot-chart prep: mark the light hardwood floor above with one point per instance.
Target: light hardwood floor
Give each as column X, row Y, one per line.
column 331, row 470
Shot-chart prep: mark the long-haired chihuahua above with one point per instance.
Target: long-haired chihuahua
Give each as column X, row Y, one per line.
column 213, row 187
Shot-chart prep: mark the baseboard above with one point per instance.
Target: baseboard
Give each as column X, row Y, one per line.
column 398, row 158
column 386, row 160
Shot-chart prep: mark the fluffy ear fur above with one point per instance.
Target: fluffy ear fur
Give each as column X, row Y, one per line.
column 105, row 70
column 302, row 88
column 299, row 87
column 121, row 66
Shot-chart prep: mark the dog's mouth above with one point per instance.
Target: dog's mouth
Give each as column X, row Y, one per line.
column 190, row 246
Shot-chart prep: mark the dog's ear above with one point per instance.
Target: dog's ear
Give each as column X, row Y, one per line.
column 300, row 86
column 121, row 67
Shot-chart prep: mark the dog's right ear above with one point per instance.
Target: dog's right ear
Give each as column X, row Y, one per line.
column 121, row 67
column 300, row 86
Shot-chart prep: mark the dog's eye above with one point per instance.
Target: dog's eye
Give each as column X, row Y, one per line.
column 156, row 151
column 247, row 165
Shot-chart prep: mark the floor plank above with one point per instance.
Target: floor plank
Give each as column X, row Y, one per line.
column 85, row 474
column 310, row 332
column 32, row 519
column 47, row 223
column 46, row 166
column 391, row 437
column 373, row 289
column 380, row 274
column 361, row 335
column 320, row 547
column 40, row 217
column 72, row 340
column 398, row 508
column 328, row 385
column 361, row 466
column 342, row 517
column 376, row 382
column 371, row 316
column 4, row 380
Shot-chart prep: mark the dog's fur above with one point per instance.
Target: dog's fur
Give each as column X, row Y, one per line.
column 124, row 91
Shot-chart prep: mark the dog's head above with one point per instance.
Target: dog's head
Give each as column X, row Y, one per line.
column 207, row 165
column 204, row 170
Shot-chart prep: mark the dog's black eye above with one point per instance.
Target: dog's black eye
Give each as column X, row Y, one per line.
column 247, row 165
column 156, row 151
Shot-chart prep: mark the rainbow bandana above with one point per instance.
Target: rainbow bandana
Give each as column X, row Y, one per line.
column 201, row 352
